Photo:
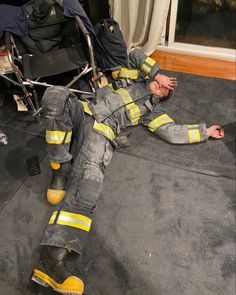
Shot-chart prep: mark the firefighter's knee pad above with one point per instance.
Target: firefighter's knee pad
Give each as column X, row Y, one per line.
column 54, row 101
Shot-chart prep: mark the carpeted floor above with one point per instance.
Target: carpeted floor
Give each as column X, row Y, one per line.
column 25, row 139
column 165, row 222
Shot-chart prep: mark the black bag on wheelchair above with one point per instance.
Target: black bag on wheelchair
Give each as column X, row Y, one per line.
column 111, row 38
column 48, row 28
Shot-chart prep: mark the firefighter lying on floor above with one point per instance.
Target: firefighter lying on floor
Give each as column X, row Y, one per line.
column 85, row 133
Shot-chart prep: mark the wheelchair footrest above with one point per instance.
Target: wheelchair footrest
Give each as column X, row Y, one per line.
column 21, row 107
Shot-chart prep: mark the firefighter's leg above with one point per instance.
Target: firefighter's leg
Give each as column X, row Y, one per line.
column 70, row 223
column 64, row 118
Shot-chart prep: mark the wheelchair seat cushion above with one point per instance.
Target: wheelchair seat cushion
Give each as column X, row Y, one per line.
column 53, row 62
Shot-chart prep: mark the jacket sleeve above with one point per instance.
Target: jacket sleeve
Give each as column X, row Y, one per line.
column 139, row 65
column 162, row 125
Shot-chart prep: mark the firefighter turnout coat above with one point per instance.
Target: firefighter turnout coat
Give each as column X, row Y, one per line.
column 85, row 132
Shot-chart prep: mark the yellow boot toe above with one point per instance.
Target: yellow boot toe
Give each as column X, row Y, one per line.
column 55, row 196
column 72, row 285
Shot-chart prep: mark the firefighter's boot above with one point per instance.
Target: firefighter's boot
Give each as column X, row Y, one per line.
column 56, row 190
column 51, row 271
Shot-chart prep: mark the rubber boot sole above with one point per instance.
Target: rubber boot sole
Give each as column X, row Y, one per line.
column 64, row 288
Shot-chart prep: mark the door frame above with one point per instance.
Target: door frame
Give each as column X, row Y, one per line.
column 191, row 49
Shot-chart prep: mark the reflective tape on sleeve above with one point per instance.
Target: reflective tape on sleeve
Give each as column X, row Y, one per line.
column 128, row 73
column 145, row 69
column 148, row 65
column 133, row 109
column 194, row 133
column 73, row 220
column 104, row 129
column 194, row 126
column 58, row 137
column 158, row 122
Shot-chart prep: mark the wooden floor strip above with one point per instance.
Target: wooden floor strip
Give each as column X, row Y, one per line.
column 195, row 65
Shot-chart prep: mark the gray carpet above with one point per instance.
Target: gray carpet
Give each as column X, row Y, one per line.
column 25, row 139
column 22, row 121
column 157, row 230
column 13, row 158
column 162, row 231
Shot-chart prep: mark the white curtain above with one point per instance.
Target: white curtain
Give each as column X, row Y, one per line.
column 141, row 21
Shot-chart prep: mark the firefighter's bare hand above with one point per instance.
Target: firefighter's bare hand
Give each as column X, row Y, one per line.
column 165, row 81
column 216, row 131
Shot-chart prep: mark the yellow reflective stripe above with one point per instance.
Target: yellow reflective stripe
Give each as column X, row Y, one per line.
column 150, row 61
column 86, row 108
column 158, row 122
column 74, row 220
column 194, row 135
column 105, row 129
column 68, row 137
column 53, row 217
column 57, row 137
column 145, row 69
column 128, row 73
column 130, row 105
column 193, row 126
column 147, row 65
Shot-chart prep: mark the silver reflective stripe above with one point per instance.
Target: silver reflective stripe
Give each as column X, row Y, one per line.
column 58, row 137
column 74, row 220
column 128, row 73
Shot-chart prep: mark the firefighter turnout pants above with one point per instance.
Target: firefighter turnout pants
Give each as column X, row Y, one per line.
column 71, row 221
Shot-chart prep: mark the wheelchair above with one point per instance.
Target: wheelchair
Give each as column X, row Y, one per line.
column 55, row 46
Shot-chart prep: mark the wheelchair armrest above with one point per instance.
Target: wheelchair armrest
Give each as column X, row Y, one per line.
column 89, row 43
column 8, row 46
column 81, row 25
column 7, row 40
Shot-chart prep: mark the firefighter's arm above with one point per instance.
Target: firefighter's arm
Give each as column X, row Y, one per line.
column 165, row 127
column 182, row 134
column 187, row 134
column 140, row 61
